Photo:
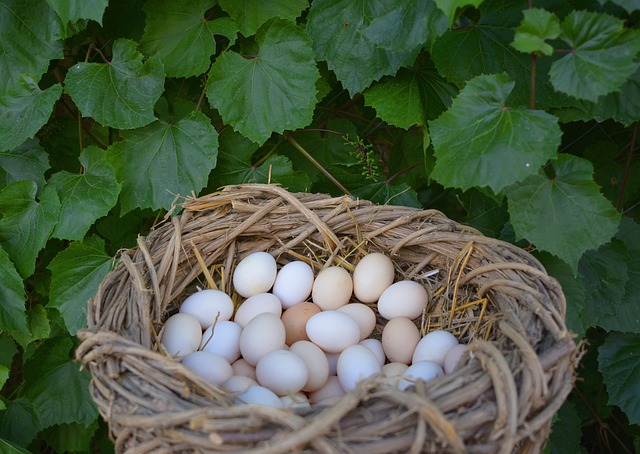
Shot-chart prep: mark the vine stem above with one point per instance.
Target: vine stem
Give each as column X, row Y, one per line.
column 627, row 169
column 307, row 155
column 204, row 90
column 532, row 94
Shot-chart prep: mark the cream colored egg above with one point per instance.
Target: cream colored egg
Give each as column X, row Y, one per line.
column 332, row 288
column 282, row 371
column 258, row 395
column 242, row 367
column 331, row 389
column 181, row 335
column 422, row 370
column 208, row 306
column 403, row 299
column 255, row 274
column 315, row 360
column 297, row 400
column 257, row 304
column 363, row 315
column 391, row 373
column 376, row 348
column 452, row 358
column 223, row 338
column 371, row 276
column 333, row 331
column 264, row 333
column 238, row 383
column 355, row 364
column 210, row 366
column 434, row 347
column 399, row 339
column 293, row 283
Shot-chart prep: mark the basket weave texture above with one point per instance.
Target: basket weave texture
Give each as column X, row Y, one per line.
column 519, row 368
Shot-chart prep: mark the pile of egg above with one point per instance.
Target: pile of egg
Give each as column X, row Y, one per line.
column 281, row 349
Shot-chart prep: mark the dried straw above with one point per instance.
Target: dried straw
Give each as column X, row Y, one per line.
column 518, row 372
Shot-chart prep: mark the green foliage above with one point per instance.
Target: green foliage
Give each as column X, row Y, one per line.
column 521, row 122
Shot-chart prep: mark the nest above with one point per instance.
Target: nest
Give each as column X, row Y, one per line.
column 519, row 368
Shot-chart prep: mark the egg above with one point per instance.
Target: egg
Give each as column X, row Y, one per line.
column 422, row 370
column 264, row 333
column 403, row 299
column 434, row 346
column 331, row 389
column 182, row 334
column 333, row 331
column 332, row 288
column 399, row 339
column 391, row 373
column 210, row 366
column 207, row 306
column 223, row 338
column 315, row 360
column 371, row 276
column 282, row 371
column 295, row 321
column 376, row 347
column 258, row 395
column 297, row 400
column 242, row 367
column 332, row 358
column 452, row 358
column 257, row 304
column 293, row 283
column 356, row 363
column 363, row 315
column 238, row 383
column 255, row 274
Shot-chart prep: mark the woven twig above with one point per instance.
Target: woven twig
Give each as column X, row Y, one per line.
column 518, row 371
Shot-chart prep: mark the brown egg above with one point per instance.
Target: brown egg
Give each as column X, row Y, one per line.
column 295, row 320
column 399, row 339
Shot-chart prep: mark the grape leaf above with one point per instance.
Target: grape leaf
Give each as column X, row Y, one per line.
column 161, row 160
column 269, row 92
column 474, row 141
column 25, row 162
column 250, row 15
column 6, row 447
column 38, row 324
column 337, row 29
column 553, row 213
column 629, row 5
column 406, row 25
column 537, row 26
column 627, row 317
column 85, row 197
column 121, row 93
column 178, row 34
column 451, row 6
column 388, row 194
column 601, row 55
column 565, row 435
column 4, row 376
column 484, row 213
column 24, row 110
column 124, row 19
column 56, row 387
column 20, row 29
column 26, row 224
column 77, row 273
column 73, row 437
column 8, row 347
column 619, row 363
column 73, row 10
column 18, row 423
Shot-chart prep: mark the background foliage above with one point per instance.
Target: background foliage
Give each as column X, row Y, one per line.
column 518, row 118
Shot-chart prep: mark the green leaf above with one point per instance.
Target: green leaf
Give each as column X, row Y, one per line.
column 6, row 447
column 537, row 26
column 124, row 19
column 28, row 41
column 73, row 10
column 484, row 213
column 600, row 58
column 26, row 224
column 620, row 366
column 411, row 97
column 250, row 15
column 627, row 317
column 269, row 92
column 337, row 29
column 566, row 435
column 24, row 110
column 629, row 5
column 56, row 387
column 85, row 197
column 8, row 348
column 451, row 6
column 77, row 273
column 406, row 25
column 178, row 33
column 4, row 376
column 389, row 194
column 553, row 213
column 161, row 160
column 74, row 437
column 25, row 162
column 121, row 93
column 18, row 422
column 38, row 324
column 474, row 141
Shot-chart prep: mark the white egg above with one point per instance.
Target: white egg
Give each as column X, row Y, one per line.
column 452, row 358
column 391, row 373
column 293, row 283
column 264, row 333
column 211, row 366
column 282, row 371
column 315, row 360
column 403, row 299
column 207, row 305
column 371, row 276
column 376, row 347
column 223, row 338
column 332, row 288
column 238, row 383
column 258, row 395
column 363, row 315
column 434, row 347
column 255, row 274
column 182, row 334
column 257, row 304
column 356, row 363
column 242, row 367
column 422, row 370
column 333, row 331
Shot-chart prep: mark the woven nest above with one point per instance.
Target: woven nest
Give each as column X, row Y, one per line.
column 519, row 368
